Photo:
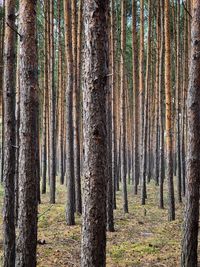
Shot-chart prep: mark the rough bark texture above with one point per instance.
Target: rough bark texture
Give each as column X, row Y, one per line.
column 190, row 237
column 9, row 137
column 27, row 223
column 94, row 128
column 169, row 158
column 70, row 207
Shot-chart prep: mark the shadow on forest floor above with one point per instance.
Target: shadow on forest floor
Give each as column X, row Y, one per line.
column 142, row 238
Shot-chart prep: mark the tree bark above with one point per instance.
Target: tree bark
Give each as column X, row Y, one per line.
column 168, row 115
column 9, row 137
column 191, row 221
column 136, row 157
column 123, row 112
column 93, row 251
column 27, row 223
column 70, row 207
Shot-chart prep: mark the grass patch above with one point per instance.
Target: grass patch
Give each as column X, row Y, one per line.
column 142, row 238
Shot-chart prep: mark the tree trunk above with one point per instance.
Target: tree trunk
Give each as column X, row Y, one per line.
column 169, row 156
column 178, row 145
column 77, row 101
column 27, row 223
column 95, row 138
column 144, row 153
column 190, row 236
column 9, row 137
column 52, row 124
column 70, row 208
column 161, row 101
column 136, row 157
column 123, row 112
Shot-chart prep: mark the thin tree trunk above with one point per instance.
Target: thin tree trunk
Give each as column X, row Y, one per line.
column 136, row 156
column 123, row 113
column 161, row 122
column 52, row 124
column 9, row 137
column 169, row 156
column 144, row 153
column 70, row 207
column 77, row 101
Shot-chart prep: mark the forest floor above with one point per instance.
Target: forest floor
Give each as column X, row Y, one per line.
column 143, row 237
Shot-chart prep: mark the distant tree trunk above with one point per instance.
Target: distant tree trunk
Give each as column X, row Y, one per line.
column 79, row 91
column 136, row 157
column 27, row 223
column 178, row 145
column 93, row 251
column 76, row 103
column 141, row 80
column 70, row 208
column 191, row 221
column 110, row 217
column 114, row 110
column 123, row 113
column 169, row 156
column 52, row 124
column 184, row 96
column 60, row 99
column 45, row 102
column 156, row 154
column 9, row 137
column 146, row 102
column 161, row 101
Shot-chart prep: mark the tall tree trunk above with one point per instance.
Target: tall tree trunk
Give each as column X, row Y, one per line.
column 136, row 157
column 70, row 208
column 94, row 127
column 9, row 137
column 161, row 122
column 156, row 154
column 191, row 221
column 45, row 102
column 110, row 219
column 52, row 124
column 76, row 102
column 141, row 79
column 178, row 137
column 123, row 113
column 27, row 223
column 169, row 156
column 144, row 153
column 114, row 110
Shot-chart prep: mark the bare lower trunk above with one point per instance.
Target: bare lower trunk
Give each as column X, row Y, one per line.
column 28, row 179
column 9, row 138
column 93, row 251
column 191, row 221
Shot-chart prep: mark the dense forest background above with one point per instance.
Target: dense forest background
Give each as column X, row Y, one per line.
column 145, row 131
